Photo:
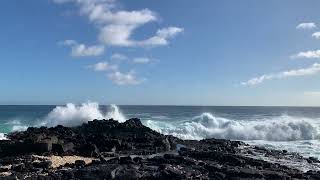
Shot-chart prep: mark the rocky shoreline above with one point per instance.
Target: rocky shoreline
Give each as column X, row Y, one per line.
column 107, row 149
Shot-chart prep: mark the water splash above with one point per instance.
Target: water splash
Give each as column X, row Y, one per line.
column 16, row 125
column 115, row 113
column 19, row 128
column 282, row 128
column 2, row 136
column 73, row 115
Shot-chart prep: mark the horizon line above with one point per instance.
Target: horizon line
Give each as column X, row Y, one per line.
column 166, row 105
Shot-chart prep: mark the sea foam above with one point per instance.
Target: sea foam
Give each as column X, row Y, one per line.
column 17, row 125
column 281, row 128
column 2, row 136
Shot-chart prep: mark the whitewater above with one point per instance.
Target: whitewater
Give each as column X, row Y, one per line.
column 295, row 130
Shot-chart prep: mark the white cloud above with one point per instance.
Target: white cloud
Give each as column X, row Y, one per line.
column 316, row 35
column 129, row 78
column 314, row 69
column 106, row 13
column 117, row 26
column 257, row 80
column 141, row 60
column 69, row 42
column 62, row 1
column 162, row 36
column 307, row 25
column 118, row 56
column 103, row 66
column 117, row 35
column 81, row 50
column 308, row 54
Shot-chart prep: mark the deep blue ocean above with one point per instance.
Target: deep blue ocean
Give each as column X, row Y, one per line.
column 293, row 128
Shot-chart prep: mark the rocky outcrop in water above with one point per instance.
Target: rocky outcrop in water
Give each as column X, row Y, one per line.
column 130, row 137
column 107, row 149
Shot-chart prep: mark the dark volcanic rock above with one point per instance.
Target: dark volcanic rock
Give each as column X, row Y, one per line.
column 87, row 140
column 130, row 150
column 42, row 164
column 79, row 163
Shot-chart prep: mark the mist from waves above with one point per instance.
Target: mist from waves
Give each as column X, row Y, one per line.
column 73, row 115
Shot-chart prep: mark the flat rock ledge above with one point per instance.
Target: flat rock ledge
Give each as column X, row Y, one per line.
column 107, row 149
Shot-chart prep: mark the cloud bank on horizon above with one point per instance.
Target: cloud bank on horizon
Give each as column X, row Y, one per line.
column 115, row 29
column 308, row 71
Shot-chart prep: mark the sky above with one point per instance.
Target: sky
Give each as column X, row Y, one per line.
column 168, row 52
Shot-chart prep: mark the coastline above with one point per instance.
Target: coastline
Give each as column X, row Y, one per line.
column 106, row 149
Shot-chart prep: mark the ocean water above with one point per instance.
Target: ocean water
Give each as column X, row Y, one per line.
column 296, row 129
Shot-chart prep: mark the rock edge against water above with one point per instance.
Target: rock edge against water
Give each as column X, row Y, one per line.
column 107, row 149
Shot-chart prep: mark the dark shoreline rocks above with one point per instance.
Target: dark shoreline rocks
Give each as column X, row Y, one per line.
column 131, row 150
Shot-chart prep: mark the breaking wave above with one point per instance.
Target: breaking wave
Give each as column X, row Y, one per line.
column 206, row 125
column 73, row 115
column 2, row 136
column 281, row 128
column 16, row 125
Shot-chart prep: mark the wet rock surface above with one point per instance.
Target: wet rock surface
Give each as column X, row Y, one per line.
column 129, row 150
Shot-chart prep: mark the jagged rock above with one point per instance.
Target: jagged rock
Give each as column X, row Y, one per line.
column 133, row 123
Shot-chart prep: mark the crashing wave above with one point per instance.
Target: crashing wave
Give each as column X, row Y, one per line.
column 19, row 128
column 16, row 125
column 2, row 136
column 115, row 113
column 282, row 128
column 73, row 115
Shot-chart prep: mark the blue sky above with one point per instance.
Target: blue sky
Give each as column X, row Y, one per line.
column 150, row 52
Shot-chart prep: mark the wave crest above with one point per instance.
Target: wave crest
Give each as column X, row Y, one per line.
column 282, row 128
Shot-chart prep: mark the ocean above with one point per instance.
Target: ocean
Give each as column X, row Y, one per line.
column 296, row 129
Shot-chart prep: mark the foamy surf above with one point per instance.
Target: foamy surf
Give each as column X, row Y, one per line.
column 206, row 125
column 17, row 125
column 295, row 134
column 299, row 134
column 282, row 128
